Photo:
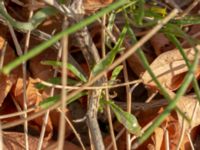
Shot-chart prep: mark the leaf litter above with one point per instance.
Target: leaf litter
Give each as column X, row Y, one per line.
column 168, row 65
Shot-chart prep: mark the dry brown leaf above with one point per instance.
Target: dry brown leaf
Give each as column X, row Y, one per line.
column 46, row 72
column 195, row 136
column 33, row 98
column 174, row 122
column 160, row 43
column 6, row 82
column 134, row 61
column 170, row 67
column 158, row 138
column 5, row 86
column 8, row 107
column 194, row 32
column 15, row 141
column 71, row 146
column 67, row 146
column 55, row 118
column 187, row 105
column 171, row 124
column 175, row 132
column 38, row 70
column 121, row 142
column 94, row 5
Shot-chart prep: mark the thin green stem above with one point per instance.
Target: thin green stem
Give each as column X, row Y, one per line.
column 178, row 45
column 40, row 48
column 187, row 80
column 160, row 87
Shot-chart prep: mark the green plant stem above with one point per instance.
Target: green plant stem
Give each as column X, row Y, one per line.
column 160, row 87
column 187, row 80
column 40, row 48
column 178, row 45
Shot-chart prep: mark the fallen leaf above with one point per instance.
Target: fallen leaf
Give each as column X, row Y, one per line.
column 34, row 97
column 8, row 81
column 15, row 141
column 158, row 138
column 195, row 136
column 188, row 105
column 94, row 5
column 55, row 118
column 121, row 142
column 160, row 43
column 38, row 70
column 45, row 72
column 8, row 107
column 170, row 67
column 67, row 146
column 193, row 31
column 5, row 86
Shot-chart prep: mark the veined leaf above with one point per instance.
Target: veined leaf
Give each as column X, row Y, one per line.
column 151, row 13
column 56, row 80
column 170, row 68
column 116, row 72
column 128, row 120
column 40, row 48
column 52, row 100
column 159, row 10
column 77, row 96
column 104, row 63
column 73, row 69
column 49, row 101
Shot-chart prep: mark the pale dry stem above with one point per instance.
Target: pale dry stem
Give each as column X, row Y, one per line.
column 116, row 62
column 107, row 90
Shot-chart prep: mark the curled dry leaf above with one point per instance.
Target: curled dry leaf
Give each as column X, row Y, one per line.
column 33, row 98
column 5, row 86
column 194, row 32
column 171, row 124
column 170, row 68
column 8, row 107
column 38, row 70
column 134, row 61
column 160, row 43
column 94, row 5
column 157, row 139
column 188, row 105
column 7, row 56
column 121, row 142
column 15, row 141
column 46, row 72
column 67, row 146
